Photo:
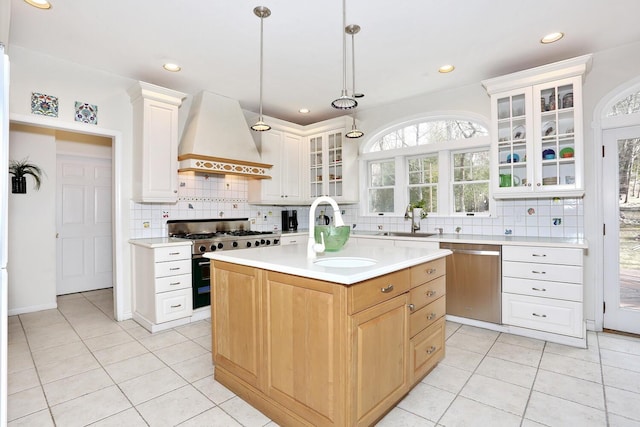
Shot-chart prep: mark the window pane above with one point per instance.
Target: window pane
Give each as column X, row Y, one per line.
column 381, row 200
column 471, row 166
column 428, row 194
column 628, row 105
column 472, row 197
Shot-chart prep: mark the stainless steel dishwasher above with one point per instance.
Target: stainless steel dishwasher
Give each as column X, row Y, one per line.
column 474, row 288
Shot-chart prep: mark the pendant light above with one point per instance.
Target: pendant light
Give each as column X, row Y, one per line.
column 353, row 30
column 344, row 102
column 261, row 12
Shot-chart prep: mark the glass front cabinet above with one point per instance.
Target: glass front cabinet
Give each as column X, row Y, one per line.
column 537, row 131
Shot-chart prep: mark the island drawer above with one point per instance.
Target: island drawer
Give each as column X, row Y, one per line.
column 556, row 316
column 428, row 271
column 173, row 305
column 371, row 292
column 552, row 272
column 427, row 349
column 172, row 268
column 173, row 283
column 171, row 253
column 542, row 288
column 428, row 292
column 425, row 316
column 567, row 256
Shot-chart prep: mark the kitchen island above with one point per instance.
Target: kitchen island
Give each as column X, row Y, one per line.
column 318, row 345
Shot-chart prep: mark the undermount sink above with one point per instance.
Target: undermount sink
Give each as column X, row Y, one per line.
column 345, row 262
column 402, row 234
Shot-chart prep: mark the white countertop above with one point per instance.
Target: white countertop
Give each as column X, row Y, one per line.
column 292, row 259
column 159, row 242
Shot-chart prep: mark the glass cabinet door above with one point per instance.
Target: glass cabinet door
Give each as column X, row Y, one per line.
column 315, row 166
column 335, row 164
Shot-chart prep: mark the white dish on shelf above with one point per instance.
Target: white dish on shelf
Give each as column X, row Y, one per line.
column 549, row 129
column 519, row 132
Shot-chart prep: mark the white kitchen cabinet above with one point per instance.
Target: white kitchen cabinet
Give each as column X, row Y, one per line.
column 537, row 131
column 333, row 166
column 155, row 143
column 542, row 289
column 162, row 287
column 283, row 150
column 294, row 239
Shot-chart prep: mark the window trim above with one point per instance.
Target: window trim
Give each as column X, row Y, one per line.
column 452, row 211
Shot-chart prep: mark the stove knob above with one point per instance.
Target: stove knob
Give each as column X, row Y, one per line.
column 213, row 247
column 268, row 242
column 276, row 241
column 220, row 245
column 257, row 243
column 235, row 244
column 262, row 242
column 202, row 248
column 248, row 244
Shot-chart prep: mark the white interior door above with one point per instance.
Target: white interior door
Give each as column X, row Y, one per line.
column 83, row 217
column 621, row 196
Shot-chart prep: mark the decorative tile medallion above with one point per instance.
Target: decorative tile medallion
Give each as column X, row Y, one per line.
column 86, row 113
column 45, row 105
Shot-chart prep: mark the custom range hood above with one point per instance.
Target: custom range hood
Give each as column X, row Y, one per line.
column 217, row 139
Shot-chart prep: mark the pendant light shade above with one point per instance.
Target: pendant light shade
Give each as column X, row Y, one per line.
column 344, row 102
column 261, row 12
column 354, row 132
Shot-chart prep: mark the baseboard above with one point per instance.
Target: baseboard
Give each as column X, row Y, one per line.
column 31, row 309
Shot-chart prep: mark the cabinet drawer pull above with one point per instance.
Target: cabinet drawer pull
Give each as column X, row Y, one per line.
column 431, row 316
column 176, row 306
column 431, row 293
column 539, row 289
column 174, row 283
column 539, row 255
column 203, row 263
column 411, row 307
column 538, row 272
column 431, row 349
column 174, row 268
column 386, row 289
column 174, row 253
column 539, row 315
column 430, row 270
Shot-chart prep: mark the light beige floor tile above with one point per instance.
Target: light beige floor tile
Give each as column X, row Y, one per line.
column 620, row 359
column 450, row 328
column 44, row 340
column 22, row 380
column 66, row 368
column 205, row 342
column 499, row 394
column 244, row 413
column 77, row 385
column 127, row 418
column 447, row 378
column 476, row 344
column 619, row 343
column 109, row 340
column 621, row 378
column 90, row 408
column 531, row 343
column 427, row 402
column 137, row 331
column 590, row 354
column 39, row 319
column 13, row 320
column 461, row 359
column 37, row 419
column 466, row 412
column 20, row 349
column 180, row 352
column 25, row 402
column 151, row 385
column 570, row 388
column 573, row 367
column 510, row 372
column 399, row 417
column 618, row 421
column 196, row 368
column 134, row 367
column 19, row 363
column 60, row 353
column 195, row 329
column 119, row 352
column 553, row 411
column 128, row 324
column 214, row 417
column 623, row 403
column 530, row 423
column 162, row 339
column 174, row 407
column 17, row 337
column 215, row 391
column 96, row 330
column 516, row 353
column 478, row 332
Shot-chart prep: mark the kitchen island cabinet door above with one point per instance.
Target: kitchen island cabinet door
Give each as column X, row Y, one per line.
column 304, row 341
column 236, row 317
column 380, row 378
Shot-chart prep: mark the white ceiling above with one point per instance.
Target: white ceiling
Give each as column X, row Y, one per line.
column 398, row 51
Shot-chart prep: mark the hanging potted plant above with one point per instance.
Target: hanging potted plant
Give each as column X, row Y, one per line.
column 20, row 169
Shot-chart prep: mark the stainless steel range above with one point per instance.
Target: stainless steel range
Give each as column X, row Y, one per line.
column 210, row 235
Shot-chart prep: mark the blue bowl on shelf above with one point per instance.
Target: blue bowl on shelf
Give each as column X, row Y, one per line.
column 513, row 159
column 548, row 154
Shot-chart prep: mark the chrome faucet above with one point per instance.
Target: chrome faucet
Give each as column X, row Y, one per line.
column 409, row 213
column 312, row 247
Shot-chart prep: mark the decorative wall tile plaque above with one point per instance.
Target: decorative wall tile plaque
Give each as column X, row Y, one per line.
column 86, row 113
column 45, row 105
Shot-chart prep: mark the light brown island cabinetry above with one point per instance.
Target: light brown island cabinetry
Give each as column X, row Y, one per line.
column 308, row 352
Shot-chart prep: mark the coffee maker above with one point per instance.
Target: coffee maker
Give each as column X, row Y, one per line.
column 290, row 220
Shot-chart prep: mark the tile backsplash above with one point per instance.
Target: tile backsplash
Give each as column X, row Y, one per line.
column 217, row 196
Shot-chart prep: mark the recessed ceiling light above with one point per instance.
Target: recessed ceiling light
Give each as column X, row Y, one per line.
column 40, row 4
column 304, row 111
column 551, row 37
column 172, row 67
column 446, row 69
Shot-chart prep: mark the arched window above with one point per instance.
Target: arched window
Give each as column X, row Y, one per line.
column 628, row 105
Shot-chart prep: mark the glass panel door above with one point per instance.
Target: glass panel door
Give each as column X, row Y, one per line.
column 512, row 140
column 315, row 166
column 621, row 195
